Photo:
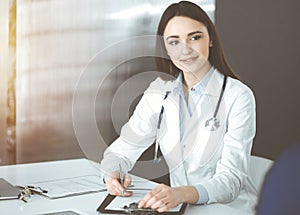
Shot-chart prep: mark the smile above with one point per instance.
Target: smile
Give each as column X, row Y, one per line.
column 189, row 60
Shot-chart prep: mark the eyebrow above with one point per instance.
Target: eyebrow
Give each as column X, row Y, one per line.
column 189, row 34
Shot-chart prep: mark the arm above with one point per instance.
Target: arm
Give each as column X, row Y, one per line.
column 232, row 168
column 136, row 136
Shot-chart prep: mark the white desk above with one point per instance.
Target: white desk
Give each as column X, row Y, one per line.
column 83, row 204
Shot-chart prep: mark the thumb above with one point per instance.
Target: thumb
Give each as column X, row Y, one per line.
column 127, row 180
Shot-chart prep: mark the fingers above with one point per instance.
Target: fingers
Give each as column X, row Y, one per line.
column 114, row 186
column 151, row 198
column 160, row 199
column 127, row 181
column 159, row 204
column 164, row 208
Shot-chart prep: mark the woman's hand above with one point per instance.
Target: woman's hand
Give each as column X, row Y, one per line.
column 163, row 197
column 114, row 186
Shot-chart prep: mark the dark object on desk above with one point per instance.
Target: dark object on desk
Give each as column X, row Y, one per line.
column 109, row 198
column 8, row 191
column 62, row 213
column 281, row 188
column 134, row 210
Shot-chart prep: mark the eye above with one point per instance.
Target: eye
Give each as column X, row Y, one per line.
column 173, row 42
column 196, row 37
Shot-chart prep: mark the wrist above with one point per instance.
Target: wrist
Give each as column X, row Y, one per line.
column 187, row 194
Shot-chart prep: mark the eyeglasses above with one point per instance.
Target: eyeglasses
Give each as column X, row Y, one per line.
column 29, row 190
column 25, row 194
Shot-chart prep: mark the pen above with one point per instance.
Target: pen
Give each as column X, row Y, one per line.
column 121, row 179
column 37, row 190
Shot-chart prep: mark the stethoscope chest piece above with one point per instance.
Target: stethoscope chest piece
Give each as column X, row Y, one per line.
column 212, row 124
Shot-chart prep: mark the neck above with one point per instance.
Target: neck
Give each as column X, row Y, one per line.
column 192, row 78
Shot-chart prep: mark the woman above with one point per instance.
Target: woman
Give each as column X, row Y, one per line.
column 208, row 159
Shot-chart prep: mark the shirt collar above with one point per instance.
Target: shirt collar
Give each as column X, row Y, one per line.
column 198, row 88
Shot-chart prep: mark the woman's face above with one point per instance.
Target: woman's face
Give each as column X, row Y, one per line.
column 187, row 42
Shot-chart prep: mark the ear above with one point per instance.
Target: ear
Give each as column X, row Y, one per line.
column 210, row 44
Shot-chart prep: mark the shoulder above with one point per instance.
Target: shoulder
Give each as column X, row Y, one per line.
column 234, row 89
column 290, row 156
column 237, row 90
column 155, row 93
column 160, row 86
column 238, row 86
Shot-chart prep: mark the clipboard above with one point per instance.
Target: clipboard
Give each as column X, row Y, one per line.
column 109, row 198
column 8, row 191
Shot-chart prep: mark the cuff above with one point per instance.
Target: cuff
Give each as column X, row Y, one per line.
column 203, row 194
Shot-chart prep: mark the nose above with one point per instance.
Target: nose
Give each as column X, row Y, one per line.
column 186, row 49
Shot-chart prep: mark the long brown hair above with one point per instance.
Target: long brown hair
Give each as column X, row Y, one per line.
column 216, row 53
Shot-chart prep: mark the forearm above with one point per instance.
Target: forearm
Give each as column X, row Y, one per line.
column 187, row 194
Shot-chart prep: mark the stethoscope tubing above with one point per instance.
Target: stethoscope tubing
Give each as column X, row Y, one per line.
column 220, row 97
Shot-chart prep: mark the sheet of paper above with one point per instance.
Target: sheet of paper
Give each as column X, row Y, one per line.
column 71, row 186
column 118, row 202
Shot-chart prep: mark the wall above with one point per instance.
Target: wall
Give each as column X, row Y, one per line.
column 261, row 39
column 7, row 81
column 72, row 57
column 4, row 9
column 56, row 42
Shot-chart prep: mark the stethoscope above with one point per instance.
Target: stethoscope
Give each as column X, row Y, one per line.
column 212, row 124
column 156, row 159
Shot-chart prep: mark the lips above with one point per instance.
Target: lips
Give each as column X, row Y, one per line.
column 189, row 60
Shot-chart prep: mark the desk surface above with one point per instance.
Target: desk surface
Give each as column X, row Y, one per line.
column 82, row 204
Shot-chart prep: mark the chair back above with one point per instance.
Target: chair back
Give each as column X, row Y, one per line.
column 259, row 167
